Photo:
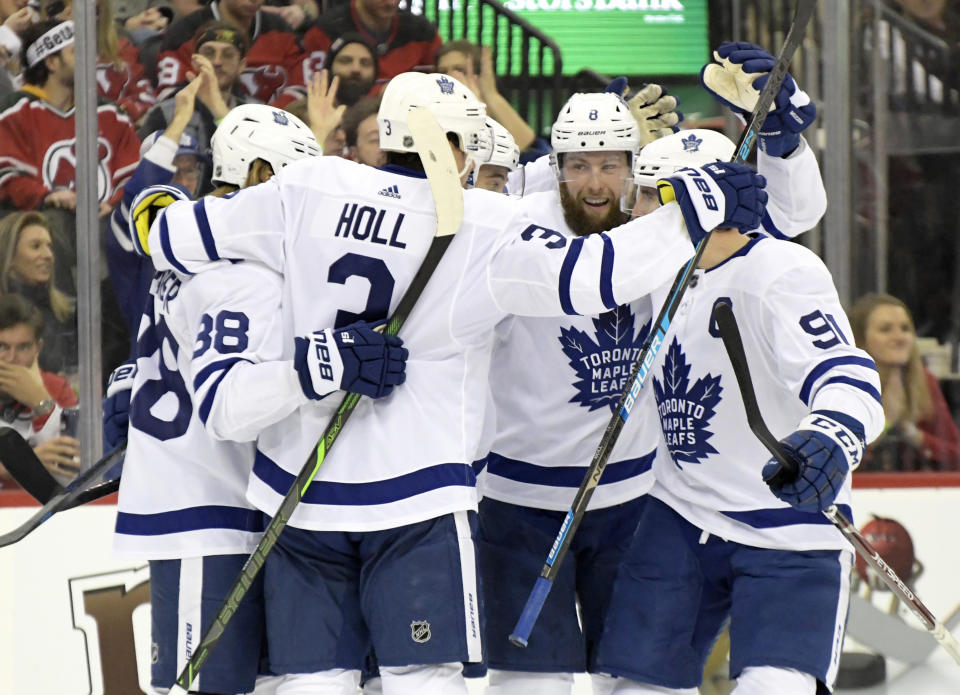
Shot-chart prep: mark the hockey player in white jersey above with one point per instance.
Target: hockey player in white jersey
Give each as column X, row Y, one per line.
column 182, row 499
column 380, row 549
column 653, row 110
column 551, row 412
column 715, row 542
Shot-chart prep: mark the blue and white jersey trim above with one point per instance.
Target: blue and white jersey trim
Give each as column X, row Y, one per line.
column 190, row 519
column 554, row 487
column 372, row 493
column 785, row 516
column 810, row 387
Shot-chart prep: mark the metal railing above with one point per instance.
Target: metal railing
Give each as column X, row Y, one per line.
column 528, row 63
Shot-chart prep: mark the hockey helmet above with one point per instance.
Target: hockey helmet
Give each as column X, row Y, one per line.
column 598, row 122
column 257, row 131
column 455, row 107
column 686, row 148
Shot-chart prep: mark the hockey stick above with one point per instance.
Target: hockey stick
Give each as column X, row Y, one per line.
column 441, row 170
column 25, row 468
column 75, row 494
column 733, row 343
column 651, row 346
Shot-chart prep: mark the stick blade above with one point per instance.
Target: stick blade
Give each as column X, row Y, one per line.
column 433, row 147
column 18, row 458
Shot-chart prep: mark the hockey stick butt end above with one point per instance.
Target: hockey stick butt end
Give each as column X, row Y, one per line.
column 521, row 632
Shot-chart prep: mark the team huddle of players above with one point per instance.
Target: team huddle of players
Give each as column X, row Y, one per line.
column 412, row 553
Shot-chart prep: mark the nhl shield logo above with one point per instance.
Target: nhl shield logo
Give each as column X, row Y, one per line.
column 420, row 631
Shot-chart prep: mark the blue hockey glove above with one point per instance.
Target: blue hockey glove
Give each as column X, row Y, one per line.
column 354, row 358
column 825, row 447
column 116, row 405
column 716, row 195
column 735, row 80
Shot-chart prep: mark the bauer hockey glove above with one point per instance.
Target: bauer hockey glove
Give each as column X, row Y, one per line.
column 825, row 447
column 735, row 80
column 652, row 108
column 354, row 358
column 716, row 195
column 116, row 405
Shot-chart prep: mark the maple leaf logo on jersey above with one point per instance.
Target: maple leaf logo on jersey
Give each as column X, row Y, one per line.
column 603, row 365
column 685, row 411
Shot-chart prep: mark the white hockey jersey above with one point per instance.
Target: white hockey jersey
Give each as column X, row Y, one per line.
column 348, row 240
column 182, row 493
column 802, row 358
column 555, row 381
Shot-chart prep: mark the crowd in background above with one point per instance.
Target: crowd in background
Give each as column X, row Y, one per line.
column 175, row 68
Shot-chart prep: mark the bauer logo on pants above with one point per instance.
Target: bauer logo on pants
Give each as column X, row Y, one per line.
column 420, row 631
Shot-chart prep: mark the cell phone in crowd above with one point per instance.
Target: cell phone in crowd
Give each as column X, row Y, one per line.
column 70, row 421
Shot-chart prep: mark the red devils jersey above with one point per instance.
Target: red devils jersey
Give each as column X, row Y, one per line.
column 38, row 149
column 274, row 72
column 126, row 85
column 412, row 40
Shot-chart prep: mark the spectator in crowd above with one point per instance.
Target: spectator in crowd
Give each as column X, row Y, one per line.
column 15, row 17
column 322, row 114
column 32, row 399
column 473, row 66
column 221, row 51
column 296, row 13
column 362, row 134
column 273, row 69
column 27, row 268
column 120, row 76
column 920, row 431
column 142, row 20
column 145, row 22
column 403, row 40
column 167, row 157
column 37, row 130
column 353, row 59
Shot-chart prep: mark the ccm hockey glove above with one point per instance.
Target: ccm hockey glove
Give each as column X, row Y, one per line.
column 116, row 405
column 825, row 447
column 741, row 70
column 354, row 358
column 720, row 194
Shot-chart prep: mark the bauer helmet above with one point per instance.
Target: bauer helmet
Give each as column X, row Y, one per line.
column 455, row 107
column 596, row 122
column 256, row 131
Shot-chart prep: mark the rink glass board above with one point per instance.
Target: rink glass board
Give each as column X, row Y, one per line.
column 631, row 37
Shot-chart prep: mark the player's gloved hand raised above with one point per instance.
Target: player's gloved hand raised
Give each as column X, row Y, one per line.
column 354, row 358
column 825, row 447
column 741, row 70
column 652, row 108
column 145, row 208
column 116, row 405
column 719, row 194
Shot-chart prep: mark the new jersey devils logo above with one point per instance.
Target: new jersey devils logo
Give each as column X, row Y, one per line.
column 264, row 82
column 59, row 169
